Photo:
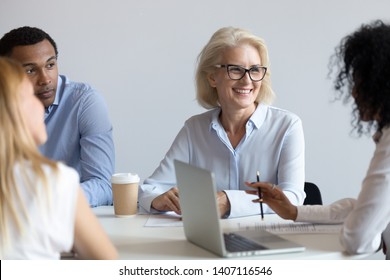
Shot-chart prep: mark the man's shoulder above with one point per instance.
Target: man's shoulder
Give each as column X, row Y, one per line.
column 79, row 93
column 77, row 88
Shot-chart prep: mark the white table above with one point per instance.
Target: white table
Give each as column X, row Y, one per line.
column 135, row 241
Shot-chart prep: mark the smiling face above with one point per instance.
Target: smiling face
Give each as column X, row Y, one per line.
column 234, row 95
column 33, row 112
column 40, row 63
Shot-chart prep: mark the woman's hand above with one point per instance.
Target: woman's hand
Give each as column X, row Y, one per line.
column 168, row 201
column 275, row 199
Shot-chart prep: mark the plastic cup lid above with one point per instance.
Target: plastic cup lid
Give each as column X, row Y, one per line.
column 124, row 178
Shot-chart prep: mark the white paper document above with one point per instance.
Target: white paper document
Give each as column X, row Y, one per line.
column 170, row 219
column 291, row 227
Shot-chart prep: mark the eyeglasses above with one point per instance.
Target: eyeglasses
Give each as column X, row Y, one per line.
column 235, row 72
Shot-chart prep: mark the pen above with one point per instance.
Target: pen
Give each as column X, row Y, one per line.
column 260, row 196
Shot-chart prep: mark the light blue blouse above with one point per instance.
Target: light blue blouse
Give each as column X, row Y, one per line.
column 273, row 144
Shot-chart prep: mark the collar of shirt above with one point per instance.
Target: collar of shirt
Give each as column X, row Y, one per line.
column 56, row 98
column 256, row 120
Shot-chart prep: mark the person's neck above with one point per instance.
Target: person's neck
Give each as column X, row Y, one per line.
column 236, row 121
column 235, row 124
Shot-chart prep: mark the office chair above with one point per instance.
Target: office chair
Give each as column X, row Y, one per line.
column 313, row 194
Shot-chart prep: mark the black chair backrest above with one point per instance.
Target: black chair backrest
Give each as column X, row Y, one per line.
column 313, row 194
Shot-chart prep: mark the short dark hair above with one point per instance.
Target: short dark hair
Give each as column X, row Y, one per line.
column 23, row 36
column 363, row 66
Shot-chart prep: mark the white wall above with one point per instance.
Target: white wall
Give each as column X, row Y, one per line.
column 141, row 56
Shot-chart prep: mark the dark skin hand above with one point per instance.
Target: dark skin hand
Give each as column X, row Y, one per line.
column 275, row 199
column 169, row 201
column 278, row 201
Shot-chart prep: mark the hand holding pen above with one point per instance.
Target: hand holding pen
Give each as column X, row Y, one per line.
column 260, row 196
column 275, row 198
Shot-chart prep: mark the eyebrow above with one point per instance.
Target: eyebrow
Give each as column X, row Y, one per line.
column 33, row 64
column 254, row 65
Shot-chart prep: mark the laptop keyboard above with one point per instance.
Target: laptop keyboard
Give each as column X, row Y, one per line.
column 238, row 243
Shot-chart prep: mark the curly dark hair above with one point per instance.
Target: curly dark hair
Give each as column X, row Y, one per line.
column 362, row 60
column 23, row 36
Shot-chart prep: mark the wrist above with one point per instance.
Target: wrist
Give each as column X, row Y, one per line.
column 294, row 213
column 225, row 209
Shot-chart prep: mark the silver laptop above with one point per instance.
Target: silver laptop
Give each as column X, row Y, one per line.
column 201, row 217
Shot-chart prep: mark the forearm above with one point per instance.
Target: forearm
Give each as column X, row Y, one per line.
column 97, row 191
column 333, row 213
column 97, row 160
column 147, row 193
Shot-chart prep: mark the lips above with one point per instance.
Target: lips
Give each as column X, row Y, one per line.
column 45, row 94
column 242, row 91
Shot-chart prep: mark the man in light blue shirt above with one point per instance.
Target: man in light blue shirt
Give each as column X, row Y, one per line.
column 76, row 117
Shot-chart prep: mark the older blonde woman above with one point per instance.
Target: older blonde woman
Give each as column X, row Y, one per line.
column 240, row 133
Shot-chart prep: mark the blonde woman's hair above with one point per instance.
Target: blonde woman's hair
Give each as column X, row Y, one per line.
column 223, row 39
column 17, row 147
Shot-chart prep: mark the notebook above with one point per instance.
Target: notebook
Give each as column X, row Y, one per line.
column 201, row 219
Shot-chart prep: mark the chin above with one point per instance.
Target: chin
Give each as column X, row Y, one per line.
column 40, row 140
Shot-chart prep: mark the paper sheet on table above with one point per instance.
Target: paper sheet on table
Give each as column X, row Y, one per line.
column 171, row 219
column 291, row 227
column 164, row 220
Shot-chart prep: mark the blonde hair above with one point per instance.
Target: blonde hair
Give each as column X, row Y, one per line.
column 222, row 39
column 17, row 147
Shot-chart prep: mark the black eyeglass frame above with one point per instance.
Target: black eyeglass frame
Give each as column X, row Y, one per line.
column 227, row 66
